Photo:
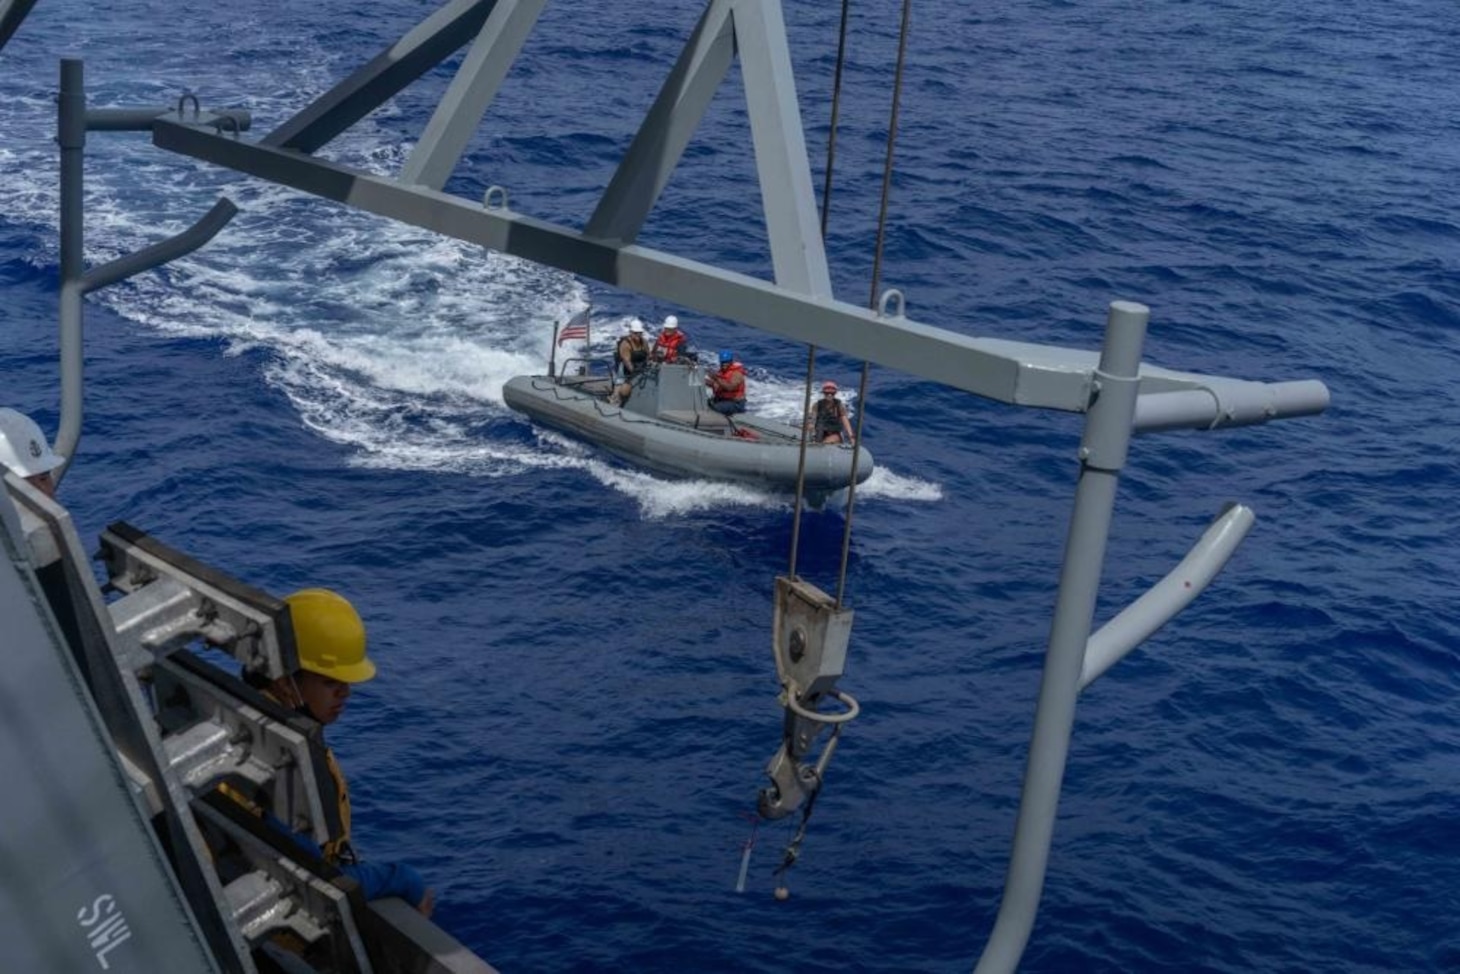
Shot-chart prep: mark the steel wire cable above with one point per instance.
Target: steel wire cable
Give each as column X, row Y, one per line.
column 876, row 283
column 836, row 100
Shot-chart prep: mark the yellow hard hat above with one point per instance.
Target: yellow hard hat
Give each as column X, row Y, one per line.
column 329, row 635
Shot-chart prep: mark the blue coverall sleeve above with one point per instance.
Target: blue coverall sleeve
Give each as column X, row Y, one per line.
column 377, row 880
column 381, row 879
column 302, row 839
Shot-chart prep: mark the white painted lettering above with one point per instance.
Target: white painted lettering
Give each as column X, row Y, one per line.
column 112, row 931
column 96, row 909
column 104, row 932
column 125, row 935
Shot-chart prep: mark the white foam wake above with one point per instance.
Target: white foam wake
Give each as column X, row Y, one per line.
column 388, row 339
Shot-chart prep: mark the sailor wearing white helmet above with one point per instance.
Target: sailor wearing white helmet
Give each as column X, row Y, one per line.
column 23, row 449
column 670, row 345
column 631, row 357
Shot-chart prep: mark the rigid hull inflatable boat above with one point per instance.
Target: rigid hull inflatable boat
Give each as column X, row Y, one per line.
column 668, row 427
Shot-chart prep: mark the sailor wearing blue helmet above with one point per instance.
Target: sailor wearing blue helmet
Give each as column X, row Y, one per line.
column 727, row 386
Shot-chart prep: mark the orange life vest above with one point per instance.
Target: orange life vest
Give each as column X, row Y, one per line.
column 667, row 345
column 724, row 389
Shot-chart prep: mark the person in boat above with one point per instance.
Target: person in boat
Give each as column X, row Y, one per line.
column 727, row 386
column 631, row 358
column 24, row 450
column 829, row 417
column 671, row 346
column 330, row 639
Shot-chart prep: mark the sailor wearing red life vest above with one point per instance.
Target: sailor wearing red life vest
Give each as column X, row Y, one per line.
column 727, row 386
column 671, row 341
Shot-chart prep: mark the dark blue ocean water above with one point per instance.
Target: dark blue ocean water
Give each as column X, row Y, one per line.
column 576, row 693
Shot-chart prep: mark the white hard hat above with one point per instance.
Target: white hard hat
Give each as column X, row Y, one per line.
column 636, row 326
column 23, row 447
column 671, row 322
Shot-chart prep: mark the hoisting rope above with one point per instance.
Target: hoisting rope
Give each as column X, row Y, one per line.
column 836, row 101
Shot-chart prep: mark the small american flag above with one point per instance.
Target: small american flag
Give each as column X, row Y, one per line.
column 576, row 329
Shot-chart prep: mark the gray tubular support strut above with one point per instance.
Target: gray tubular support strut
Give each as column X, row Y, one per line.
column 76, row 281
column 1102, row 455
column 1169, row 596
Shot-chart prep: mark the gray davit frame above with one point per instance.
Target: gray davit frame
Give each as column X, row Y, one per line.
column 461, row 110
column 1118, row 393
column 1019, row 373
column 799, row 306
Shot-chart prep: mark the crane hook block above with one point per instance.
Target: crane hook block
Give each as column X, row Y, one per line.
column 810, row 643
column 811, row 636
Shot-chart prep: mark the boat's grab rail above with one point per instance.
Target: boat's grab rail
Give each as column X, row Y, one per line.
column 681, row 419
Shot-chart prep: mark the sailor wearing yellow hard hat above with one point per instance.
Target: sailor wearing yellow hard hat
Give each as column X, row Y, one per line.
column 330, row 640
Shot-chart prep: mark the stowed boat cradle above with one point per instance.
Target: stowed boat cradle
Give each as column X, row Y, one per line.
column 114, row 751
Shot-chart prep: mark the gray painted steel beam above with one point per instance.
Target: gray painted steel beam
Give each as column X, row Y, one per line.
column 789, row 199
column 1039, row 376
column 383, row 76
column 476, row 83
column 12, row 14
column 666, row 130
